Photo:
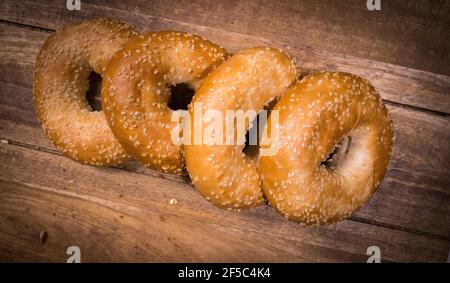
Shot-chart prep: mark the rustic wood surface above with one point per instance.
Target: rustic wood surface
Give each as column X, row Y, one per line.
column 123, row 213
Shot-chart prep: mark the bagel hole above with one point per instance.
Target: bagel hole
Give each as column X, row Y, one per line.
column 327, row 161
column 93, row 94
column 252, row 150
column 180, row 96
column 339, row 152
column 251, row 146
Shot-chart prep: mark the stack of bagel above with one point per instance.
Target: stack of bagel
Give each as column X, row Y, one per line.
column 333, row 133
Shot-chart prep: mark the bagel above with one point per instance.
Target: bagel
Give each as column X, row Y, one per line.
column 60, row 83
column 321, row 112
column 249, row 80
column 136, row 92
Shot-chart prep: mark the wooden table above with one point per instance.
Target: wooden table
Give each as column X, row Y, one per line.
column 48, row 202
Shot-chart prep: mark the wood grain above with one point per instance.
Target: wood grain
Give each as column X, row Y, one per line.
column 123, row 213
column 407, row 33
column 418, row 169
column 115, row 215
column 397, row 84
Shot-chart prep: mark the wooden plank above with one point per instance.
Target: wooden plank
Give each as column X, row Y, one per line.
column 398, row 84
column 113, row 215
column 418, row 169
column 407, row 33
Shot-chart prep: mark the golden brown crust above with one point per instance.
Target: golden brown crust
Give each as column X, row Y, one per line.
column 136, row 91
column 315, row 114
column 249, row 80
column 324, row 113
column 60, row 84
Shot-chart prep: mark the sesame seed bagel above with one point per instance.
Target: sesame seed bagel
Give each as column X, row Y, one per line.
column 249, row 80
column 60, row 83
column 322, row 114
column 136, row 92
